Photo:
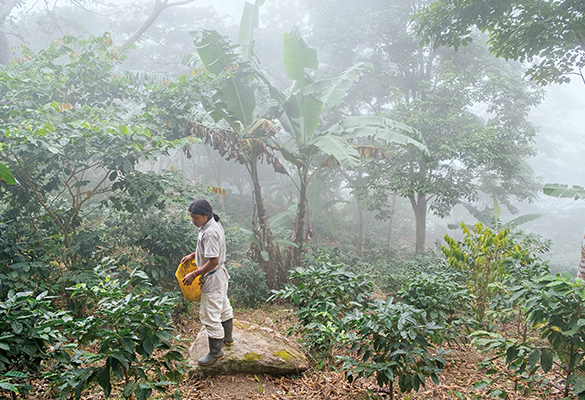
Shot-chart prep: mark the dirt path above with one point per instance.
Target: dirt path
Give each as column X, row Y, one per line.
column 456, row 382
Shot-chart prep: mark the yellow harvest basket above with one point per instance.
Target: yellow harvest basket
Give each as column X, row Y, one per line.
column 193, row 291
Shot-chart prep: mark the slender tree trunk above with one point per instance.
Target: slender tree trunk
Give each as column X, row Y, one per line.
column 268, row 253
column 581, row 269
column 361, row 239
column 6, row 7
column 5, row 53
column 299, row 234
column 419, row 206
column 391, row 220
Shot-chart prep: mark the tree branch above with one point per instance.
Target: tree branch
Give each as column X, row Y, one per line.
column 6, row 8
column 159, row 7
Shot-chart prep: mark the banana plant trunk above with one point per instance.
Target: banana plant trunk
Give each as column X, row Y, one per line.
column 267, row 255
column 299, row 235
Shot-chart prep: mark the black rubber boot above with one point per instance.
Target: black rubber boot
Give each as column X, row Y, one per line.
column 214, row 354
column 228, row 327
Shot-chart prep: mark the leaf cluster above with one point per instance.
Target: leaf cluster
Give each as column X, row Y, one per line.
column 131, row 330
column 323, row 293
column 248, row 286
column 391, row 340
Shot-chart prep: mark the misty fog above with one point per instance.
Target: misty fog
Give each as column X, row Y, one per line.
column 559, row 143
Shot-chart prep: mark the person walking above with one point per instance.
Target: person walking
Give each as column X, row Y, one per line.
column 215, row 311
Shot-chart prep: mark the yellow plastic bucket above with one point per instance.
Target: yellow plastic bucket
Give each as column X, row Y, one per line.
column 193, row 291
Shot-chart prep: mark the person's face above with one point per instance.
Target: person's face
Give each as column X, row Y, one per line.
column 198, row 220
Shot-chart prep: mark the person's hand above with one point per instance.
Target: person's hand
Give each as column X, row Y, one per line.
column 188, row 279
column 187, row 258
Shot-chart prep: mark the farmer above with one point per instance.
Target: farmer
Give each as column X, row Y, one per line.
column 215, row 311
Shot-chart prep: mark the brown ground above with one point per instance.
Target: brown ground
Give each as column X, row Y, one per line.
column 455, row 383
column 322, row 383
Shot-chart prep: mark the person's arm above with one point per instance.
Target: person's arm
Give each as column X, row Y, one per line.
column 207, row 267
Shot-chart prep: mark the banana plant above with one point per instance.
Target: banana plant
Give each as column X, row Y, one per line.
column 237, row 104
column 249, row 102
column 300, row 111
column 490, row 217
column 577, row 193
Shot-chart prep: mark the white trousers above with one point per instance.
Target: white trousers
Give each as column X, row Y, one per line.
column 215, row 308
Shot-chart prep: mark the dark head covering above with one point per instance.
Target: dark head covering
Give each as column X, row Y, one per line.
column 202, row 207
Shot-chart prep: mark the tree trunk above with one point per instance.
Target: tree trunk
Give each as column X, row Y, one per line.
column 5, row 53
column 419, row 206
column 581, row 269
column 267, row 255
column 6, row 7
column 361, row 239
column 293, row 258
column 391, row 220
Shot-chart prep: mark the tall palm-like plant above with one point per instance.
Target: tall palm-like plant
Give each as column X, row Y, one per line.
column 300, row 111
column 249, row 102
column 236, row 103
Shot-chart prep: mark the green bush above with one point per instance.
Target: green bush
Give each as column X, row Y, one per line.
column 248, row 287
column 391, row 341
column 323, row 293
column 443, row 299
column 23, row 257
column 132, row 330
column 555, row 307
column 28, row 325
column 393, row 274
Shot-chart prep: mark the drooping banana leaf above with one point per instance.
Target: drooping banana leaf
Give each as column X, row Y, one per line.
column 347, row 156
column 381, row 129
column 331, row 91
column 522, row 219
column 564, row 191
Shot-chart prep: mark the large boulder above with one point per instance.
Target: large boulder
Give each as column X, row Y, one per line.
column 257, row 350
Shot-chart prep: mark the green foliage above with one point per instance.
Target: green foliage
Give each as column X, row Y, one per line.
column 444, row 300
column 132, row 330
column 391, row 341
column 323, row 292
column 480, row 256
column 522, row 362
column 393, row 274
column 248, row 285
column 523, row 30
column 6, row 175
column 7, row 381
column 508, row 303
column 70, row 139
column 23, row 256
column 152, row 220
column 554, row 305
column 28, row 325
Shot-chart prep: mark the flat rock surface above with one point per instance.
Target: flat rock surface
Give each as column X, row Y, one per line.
column 257, row 350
